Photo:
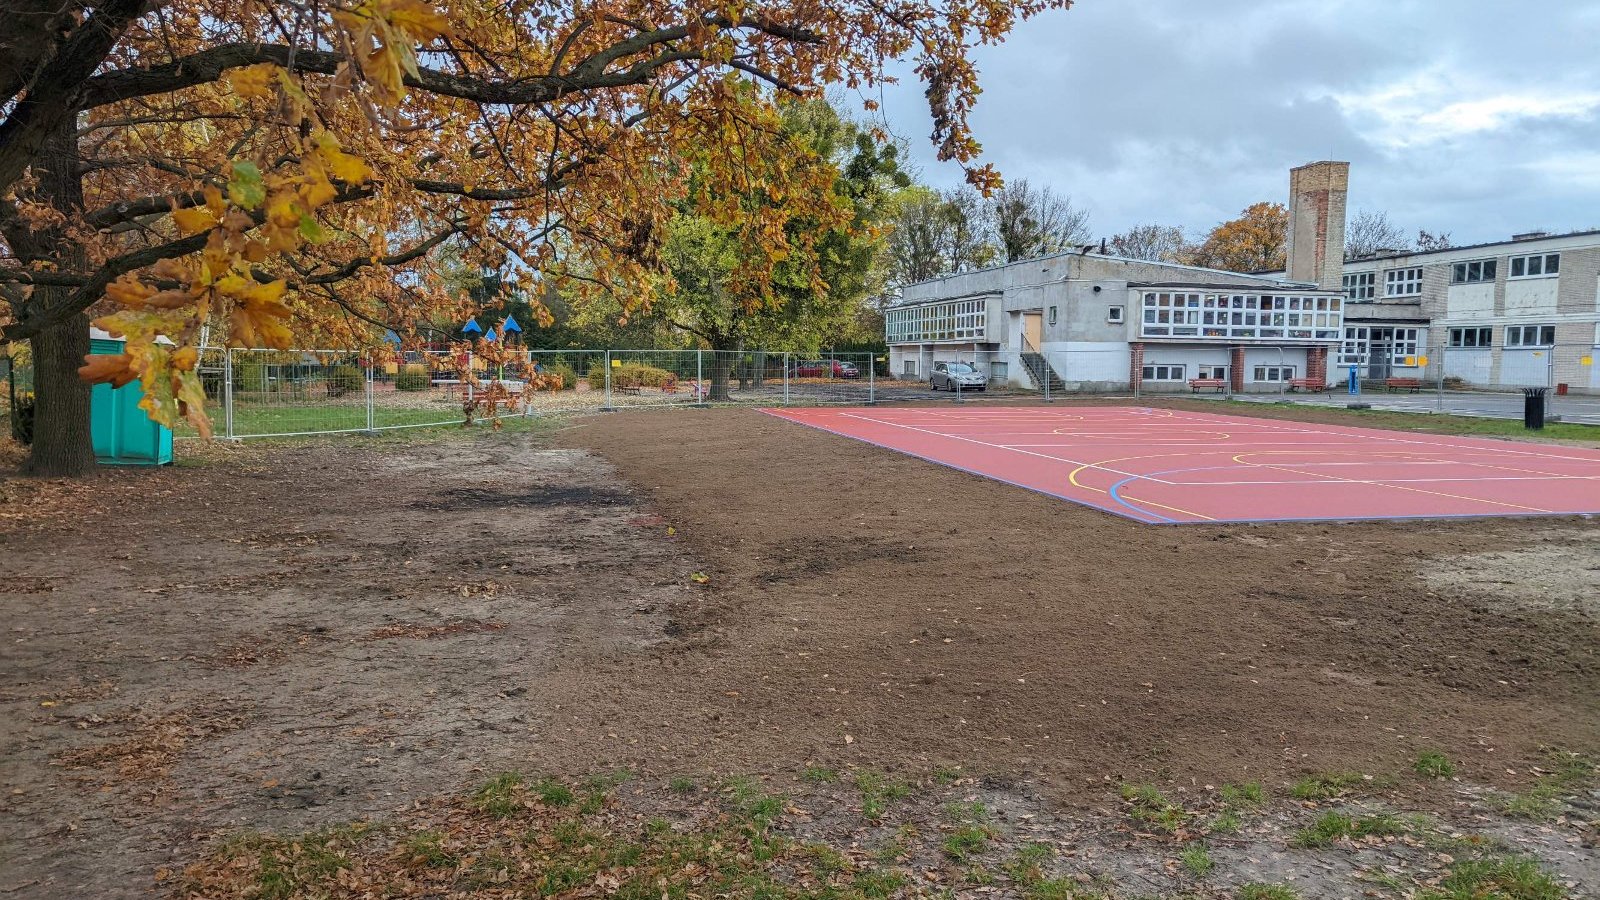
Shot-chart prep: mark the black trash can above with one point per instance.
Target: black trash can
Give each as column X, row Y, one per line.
column 1533, row 407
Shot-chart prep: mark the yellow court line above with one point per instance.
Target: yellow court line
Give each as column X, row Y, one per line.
column 1384, row 484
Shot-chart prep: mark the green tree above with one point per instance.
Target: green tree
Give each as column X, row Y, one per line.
column 815, row 294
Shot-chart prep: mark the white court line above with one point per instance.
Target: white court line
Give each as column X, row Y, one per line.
column 1379, row 481
column 957, row 437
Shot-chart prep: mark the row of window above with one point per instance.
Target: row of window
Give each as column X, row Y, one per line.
column 953, row 320
column 1240, row 316
column 1517, row 336
column 1407, row 282
column 1179, row 372
column 1356, row 349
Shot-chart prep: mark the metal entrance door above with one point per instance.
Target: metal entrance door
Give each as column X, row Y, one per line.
column 1380, row 358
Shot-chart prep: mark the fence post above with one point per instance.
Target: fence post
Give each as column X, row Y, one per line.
column 699, row 377
column 469, row 377
column 371, row 389
column 1280, row 372
column 227, row 392
column 872, row 375
column 1046, row 360
column 786, row 379
column 1439, row 404
column 606, row 406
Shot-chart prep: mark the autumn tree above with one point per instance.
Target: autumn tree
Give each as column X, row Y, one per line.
column 1369, row 232
column 1254, row 242
column 830, row 248
column 1026, row 221
column 1433, row 240
column 1159, row 243
column 285, row 170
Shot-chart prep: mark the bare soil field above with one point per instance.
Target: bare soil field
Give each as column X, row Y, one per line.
column 281, row 638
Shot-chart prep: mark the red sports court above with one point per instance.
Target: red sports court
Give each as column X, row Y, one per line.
column 1164, row 466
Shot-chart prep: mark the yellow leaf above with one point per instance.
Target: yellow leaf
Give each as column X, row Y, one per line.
column 252, row 81
column 193, row 220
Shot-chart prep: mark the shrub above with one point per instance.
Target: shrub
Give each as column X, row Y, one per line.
column 343, row 380
column 414, row 377
column 22, row 419
column 249, row 374
column 567, row 374
column 630, row 373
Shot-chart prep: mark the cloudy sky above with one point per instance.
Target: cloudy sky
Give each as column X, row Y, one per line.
column 1476, row 117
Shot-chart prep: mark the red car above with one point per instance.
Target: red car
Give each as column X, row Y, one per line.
column 826, row 368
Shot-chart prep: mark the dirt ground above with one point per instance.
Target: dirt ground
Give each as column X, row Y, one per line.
column 280, row 637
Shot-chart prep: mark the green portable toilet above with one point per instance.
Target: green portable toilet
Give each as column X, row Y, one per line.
column 123, row 435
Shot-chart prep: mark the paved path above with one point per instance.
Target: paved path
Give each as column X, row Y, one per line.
column 1571, row 408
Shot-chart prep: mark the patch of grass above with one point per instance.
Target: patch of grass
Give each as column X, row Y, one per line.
column 489, row 869
column 1240, row 796
column 1568, row 773
column 1227, row 822
column 877, row 791
column 1027, row 867
column 1334, row 826
column 1433, row 764
column 1054, row 889
column 1197, row 859
column 747, row 798
column 498, row 796
column 681, row 785
column 946, row 775
column 899, row 846
column 1328, row 785
column 426, row 848
column 286, row 867
column 966, row 841
column 553, row 793
column 878, row 883
column 1259, row 891
column 1496, row 878
column 819, row 775
column 1147, row 805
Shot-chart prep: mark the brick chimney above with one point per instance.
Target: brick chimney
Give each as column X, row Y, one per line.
column 1317, row 193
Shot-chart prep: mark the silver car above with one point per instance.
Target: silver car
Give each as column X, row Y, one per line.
column 950, row 376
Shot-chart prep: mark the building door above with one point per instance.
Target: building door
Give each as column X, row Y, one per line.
column 1032, row 331
column 1380, row 355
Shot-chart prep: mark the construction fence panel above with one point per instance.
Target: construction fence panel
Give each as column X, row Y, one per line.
column 294, row 392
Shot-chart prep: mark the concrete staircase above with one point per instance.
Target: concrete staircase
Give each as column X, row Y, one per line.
column 1039, row 370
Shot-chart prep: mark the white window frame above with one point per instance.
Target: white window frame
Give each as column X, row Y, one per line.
column 1354, row 349
column 1274, row 374
column 1114, row 314
column 1232, row 317
column 1530, row 337
column 1211, row 371
column 1548, row 264
column 1406, row 282
column 1476, row 271
column 1165, row 371
column 950, row 320
column 1471, row 337
column 1361, row 287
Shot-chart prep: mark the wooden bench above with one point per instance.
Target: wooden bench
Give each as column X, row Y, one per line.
column 1312, row 385
column 1398, row 384
column 627, row 387
column 1195, row 384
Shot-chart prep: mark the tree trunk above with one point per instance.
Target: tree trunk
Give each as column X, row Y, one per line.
column 62, row 447
column 721, row 367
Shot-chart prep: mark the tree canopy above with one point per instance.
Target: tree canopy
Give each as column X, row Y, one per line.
column 287, row 169
column 1254, row 242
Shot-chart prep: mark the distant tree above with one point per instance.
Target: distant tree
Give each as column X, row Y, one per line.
column 1254, row 242
column 1162, row 243
column 1028, row 222
column 1428, row 240
column 936, row 233
column 1371, row 231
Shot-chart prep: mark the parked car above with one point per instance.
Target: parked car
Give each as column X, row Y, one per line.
column 826, row 368
column 950, row 376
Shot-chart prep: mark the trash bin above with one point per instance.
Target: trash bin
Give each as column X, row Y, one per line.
column 122, row 434
column 1533, row 407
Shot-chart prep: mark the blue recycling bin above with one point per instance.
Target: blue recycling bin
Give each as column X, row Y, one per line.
column 123, row 435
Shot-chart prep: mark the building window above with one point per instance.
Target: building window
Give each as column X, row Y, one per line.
column 1402, row 282
column 1220, row 372
column 1472, row 337
column 1353, row 351
column 1530, row 336
column 1052, row 315
column 1274, row 373
column 1404, row 345
column 950, row 320
column 1474, row 272
column 1163, row 373
column 910, row 368
column 1539, row 265
column 1114, row 314
column 1242, row 316
column 1361, row 285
